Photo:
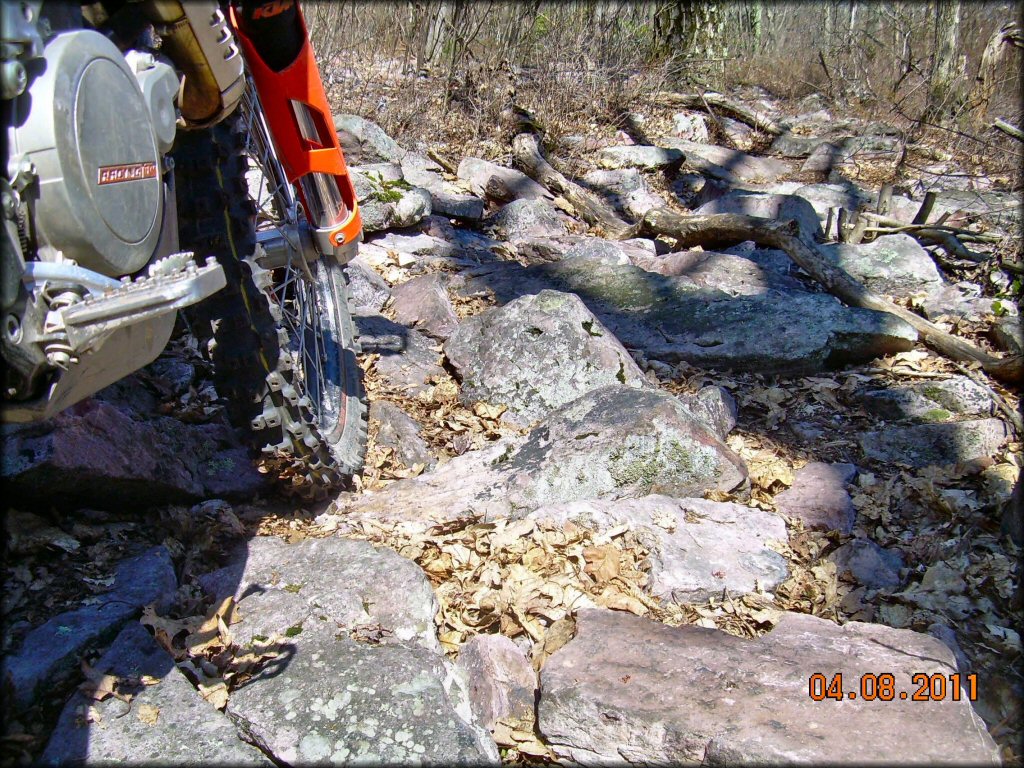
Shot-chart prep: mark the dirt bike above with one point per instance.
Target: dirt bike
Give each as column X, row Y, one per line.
column 164, row 155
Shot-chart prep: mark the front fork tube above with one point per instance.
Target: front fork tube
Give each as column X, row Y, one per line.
column 277, row 50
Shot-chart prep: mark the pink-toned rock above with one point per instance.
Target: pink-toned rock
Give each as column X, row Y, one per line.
column 630, row 690
column 502, row 684
column 818, row 497
column 423, row 303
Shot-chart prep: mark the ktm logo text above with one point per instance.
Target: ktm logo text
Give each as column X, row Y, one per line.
column 272, row 9
column 115, row 174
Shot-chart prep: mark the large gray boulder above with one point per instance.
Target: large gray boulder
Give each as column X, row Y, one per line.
column 698, row 548
column 896, row 265
column 924, row 445
column 618, row 442
column 110, row 455
column 930, row 401
column 52, row 651
column 736, row 275
column 387, row 203
column 611, row 443
column 495, row 182
column 342, row 584
column 529, row 218
column 670, row 319
column 339, row 701
column 167, row 722
column 627, row 690
column 361, row 675
column 363, row 141
column 537, row 353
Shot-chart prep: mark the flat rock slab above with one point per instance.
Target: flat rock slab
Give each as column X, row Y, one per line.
column 490, row 181
column 819, row 498
column 630, row 690
column 502, row 684
column 108, row 455
column 53, row 649
column 868, row 564
column 728, row 164
column 408, row 360
column 341, row 583
column 924, row 445
column 698, row 548
column 340, row 702
column 422, row 302
column 614, row 442
column 523, row 219
column 896, row 265
column 639, row 156
column 736, row 275
column 537, row 353
column 401, row 433
column 783, row 332
column 168, row 723
column 930, row 401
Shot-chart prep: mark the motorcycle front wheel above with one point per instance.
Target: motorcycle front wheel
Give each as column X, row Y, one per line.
column 280, row 336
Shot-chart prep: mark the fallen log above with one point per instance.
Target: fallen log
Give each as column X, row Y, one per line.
column 1009, row 129
column 526, row 154
column 726, row 106
column 723, row 229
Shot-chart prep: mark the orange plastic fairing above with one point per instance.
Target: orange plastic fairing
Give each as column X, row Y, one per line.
column 301, row 155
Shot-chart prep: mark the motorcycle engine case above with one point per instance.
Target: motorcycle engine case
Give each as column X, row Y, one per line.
column 90, row 136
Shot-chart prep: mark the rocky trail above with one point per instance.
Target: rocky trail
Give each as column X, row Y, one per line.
column 624, row 502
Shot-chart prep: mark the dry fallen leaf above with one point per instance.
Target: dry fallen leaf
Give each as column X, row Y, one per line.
column 216, row 692
column 147, row 713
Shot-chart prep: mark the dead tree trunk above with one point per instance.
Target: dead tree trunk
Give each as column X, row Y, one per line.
column 526, row 154
column 728, row 228
column 947, row 71
column 723, row 105
column 1007, row 36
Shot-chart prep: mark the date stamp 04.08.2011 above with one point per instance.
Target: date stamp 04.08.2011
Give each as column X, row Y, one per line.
column 882, row 687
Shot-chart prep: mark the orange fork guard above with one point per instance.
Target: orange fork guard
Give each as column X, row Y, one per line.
column 300, row 81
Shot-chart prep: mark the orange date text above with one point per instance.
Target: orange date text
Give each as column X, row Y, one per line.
column 882, row 687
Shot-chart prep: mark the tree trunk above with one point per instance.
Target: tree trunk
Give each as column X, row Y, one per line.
column 527, row 155
column 1002, row 39
column 947, row 72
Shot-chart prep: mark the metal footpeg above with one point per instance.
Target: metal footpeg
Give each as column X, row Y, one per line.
column 173, row 283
